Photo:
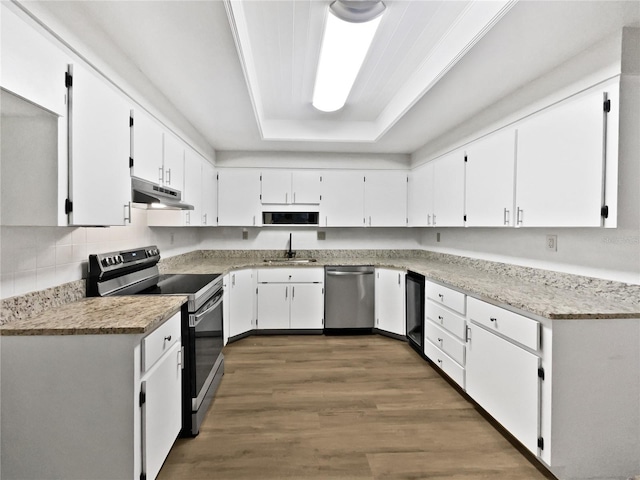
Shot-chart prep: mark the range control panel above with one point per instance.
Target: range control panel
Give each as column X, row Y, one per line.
column 114, row 261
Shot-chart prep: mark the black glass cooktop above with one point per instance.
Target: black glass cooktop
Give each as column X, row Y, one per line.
column 180, row 283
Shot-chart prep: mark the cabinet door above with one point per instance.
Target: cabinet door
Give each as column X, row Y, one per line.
column 146, row 151
column 226, row 304
column 173, row 161
column 490, row 180
column 560, row 164
column 385, row 199
column 192, row 192
column 448, row 191
column 241, row 302
column 273, row 306
column 420, row 196
column 306, row 187
column 503, row 379
column 342, row 199
column 390, row 301
column 32, row 66
column 209, row 194
column 99, row 178
column 239, row 198
column 162, row 410
column 276, row 187
column 307, row 306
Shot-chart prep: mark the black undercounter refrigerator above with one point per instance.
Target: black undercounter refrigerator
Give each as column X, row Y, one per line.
column 415, row 311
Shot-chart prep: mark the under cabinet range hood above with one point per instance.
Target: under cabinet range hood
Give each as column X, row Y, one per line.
column 144, row 191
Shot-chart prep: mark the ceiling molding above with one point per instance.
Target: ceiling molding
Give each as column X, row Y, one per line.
column 464, row 32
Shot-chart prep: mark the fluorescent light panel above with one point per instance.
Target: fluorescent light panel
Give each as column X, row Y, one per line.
column 344, row 47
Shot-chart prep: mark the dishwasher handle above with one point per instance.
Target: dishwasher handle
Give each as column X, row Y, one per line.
column 333, row 273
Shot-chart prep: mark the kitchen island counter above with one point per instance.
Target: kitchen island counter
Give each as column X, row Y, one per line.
column 100, row 315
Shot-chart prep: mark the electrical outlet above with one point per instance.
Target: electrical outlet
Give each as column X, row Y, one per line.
column 552, row 243
column 322, row 235
column 171, row 239
column 437, row 236
column 245, row 234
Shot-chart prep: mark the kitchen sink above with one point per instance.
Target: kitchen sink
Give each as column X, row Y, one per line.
column 290, row 260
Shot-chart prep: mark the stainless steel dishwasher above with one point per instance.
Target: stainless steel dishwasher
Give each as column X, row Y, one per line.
column 349, row 299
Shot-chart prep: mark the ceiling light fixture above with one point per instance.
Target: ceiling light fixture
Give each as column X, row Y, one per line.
column 349, row 31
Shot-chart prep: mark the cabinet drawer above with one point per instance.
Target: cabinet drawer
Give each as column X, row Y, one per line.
column 291, row 275
column 160, row 341
column 511, row 325
column 446, row 319
column 447, row 342
column 448, row 366
column 445, row 296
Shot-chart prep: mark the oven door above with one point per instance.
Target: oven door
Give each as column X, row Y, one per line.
column 205, row 347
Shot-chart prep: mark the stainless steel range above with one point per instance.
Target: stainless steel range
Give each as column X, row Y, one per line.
column 135, row 272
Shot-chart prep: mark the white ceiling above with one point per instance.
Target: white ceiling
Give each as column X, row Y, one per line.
column 187, row 50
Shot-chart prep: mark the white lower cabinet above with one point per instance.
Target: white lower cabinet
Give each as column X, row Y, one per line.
column 290, row 298
column 241, row 285
column 503, row 378
column 273, row 306
column 307, row 306
column 445, row 330
column 568, row 390
column 390, row 300
column 162, row 409
column 90, row 406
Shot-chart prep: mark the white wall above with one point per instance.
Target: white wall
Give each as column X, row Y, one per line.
column 277, row 238
column 312, row 160
column 35, row 258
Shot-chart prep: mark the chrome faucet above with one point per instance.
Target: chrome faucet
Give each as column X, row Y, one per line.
column 290, row 253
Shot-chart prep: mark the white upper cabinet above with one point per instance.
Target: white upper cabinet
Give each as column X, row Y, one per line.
column 490, row 180
column 385, row 198
column 158, row 155
column 560, row 159
column 209, row 211
column 33, row 67
column 276, row 187
column 99, row 179
column 192, row 192
column 306, row 186
column 146, row 147
column 285, row 187
column 239, row 197
column 173, row 161
column 420, row 196
column 448, row 190
column 342, row 199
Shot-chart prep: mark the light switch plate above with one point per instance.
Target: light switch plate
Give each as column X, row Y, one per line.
column 552, row 243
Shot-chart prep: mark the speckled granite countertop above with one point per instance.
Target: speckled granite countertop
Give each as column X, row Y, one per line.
column 106, row 315
column 546, row 294
column 62, row 310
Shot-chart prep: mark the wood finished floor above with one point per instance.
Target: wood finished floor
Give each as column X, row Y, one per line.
column 340, row 407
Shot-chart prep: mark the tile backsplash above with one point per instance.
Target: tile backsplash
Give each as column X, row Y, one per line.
column 35, row 258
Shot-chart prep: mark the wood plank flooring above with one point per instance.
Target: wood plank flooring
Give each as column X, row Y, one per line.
column 340, row 407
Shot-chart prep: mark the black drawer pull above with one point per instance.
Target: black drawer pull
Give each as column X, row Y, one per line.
column 167, row 338
column 493, row 319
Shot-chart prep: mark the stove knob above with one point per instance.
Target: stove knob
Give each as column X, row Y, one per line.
column 119, row 259
column 105, row 262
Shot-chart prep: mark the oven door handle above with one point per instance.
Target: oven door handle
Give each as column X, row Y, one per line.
column 194, row 320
